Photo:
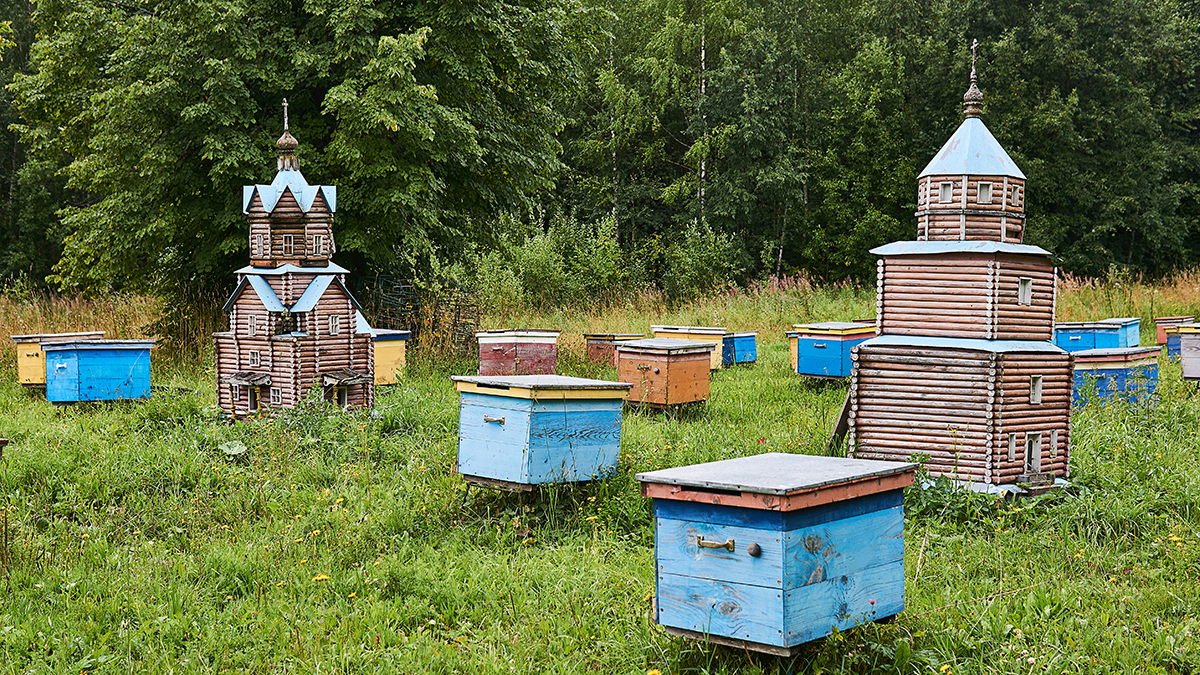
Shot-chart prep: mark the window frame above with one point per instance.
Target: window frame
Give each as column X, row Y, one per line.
column 946, row 192
column 289, row 244
column 276, row 396
column 335, row 324
column 1035, row 390
column 254, row 358
column 1025, row 291
column 979, row 190
column 253, row 399
column 251, row 325
column 1033, row 451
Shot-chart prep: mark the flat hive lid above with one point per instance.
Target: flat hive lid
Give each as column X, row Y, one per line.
column 43, row 338
column 1123, row 320
column 539, row 386
column 834, row 328
column 1107, row 324
column 666, row 346
column 690, row 330
column 99, row 344
column 1182, row 328
column 745, row 333
column 1174, row 319
column 613, row 336
column 776, row 473
column 390, row 334
column 1120, row 355
column 522, row 332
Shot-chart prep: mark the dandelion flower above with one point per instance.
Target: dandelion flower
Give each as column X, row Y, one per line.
column 321, row 577
column 945, row 667
column 303, row 560
column 352, row 595
column 314, row 533
column 654, row 671
column 279, row 583
column 299, row 540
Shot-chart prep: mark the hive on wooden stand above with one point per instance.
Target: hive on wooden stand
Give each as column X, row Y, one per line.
column 964, row 371
column 294, row 326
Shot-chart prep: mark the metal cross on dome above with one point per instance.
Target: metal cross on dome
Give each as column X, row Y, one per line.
column 285, row 119
column 974, row 46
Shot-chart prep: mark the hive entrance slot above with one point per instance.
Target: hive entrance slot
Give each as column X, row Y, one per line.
column 714, row 491
column 498, row 387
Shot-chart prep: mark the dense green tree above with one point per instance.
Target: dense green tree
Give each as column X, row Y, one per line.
column 434, row 116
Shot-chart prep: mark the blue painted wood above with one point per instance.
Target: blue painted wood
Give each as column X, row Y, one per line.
column 739, row 348
column 1173, row 346
column 539, row 441
column 1130, row 384
column 818, row 568
column 777, row 617
column 1075, row 340
column 95, row 371
column 777, row 520
column 1076, row 336
column 826, row 355
column 791, row 559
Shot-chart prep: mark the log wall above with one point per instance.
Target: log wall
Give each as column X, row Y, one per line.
column 964, row 217
column 965, row 296
column 287, row 219
column 1016, row 415
column 935, row 402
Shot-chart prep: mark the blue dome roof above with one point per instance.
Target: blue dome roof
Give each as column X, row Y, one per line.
column 974, row 151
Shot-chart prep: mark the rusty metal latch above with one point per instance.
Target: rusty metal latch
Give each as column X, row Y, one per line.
column 499, row 420
column 727, row 544
column 819, row 345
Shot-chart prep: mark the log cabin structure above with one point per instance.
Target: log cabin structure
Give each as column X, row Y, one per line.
column 294, row 326
column 964, row 371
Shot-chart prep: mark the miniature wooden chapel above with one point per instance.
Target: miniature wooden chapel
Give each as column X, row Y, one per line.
column 963, row 371
column 293, row 324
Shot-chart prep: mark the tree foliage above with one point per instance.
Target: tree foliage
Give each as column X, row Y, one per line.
column 433, row 116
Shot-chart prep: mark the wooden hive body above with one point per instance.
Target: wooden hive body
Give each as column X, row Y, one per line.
column 1187, row 338
column 525, row 430
column 97, row 370
column 517, row 352
column 712, row 335
column 602, row 347
column 823, row 349
column 31, row 357
column 665, row 371
column 294, row 326
column 968, row 405
column 1075, row 336
column 739, row 348
column 983, row 290
column 1129, row 373
column 1162, row 323
column 964, row 372
column 771, row 551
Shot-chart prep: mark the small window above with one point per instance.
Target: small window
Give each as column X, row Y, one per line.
column 251, row 325
column 946, row 193
column 1033, row 451
column 253, row 405
column 288, row 245
column 1035, row 389
column 985, row 193
column 318, row 244
column 1012, row 447
column 343, row 396
column 335, row 324
column 1025, row 291
column 1016, row 200
column 254, row 359
column 276, row 396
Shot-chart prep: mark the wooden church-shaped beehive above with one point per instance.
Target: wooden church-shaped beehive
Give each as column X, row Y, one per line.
column 963, row 371
column 293, row 324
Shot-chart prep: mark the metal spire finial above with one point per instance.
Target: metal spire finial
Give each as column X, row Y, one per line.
column 974, row 46
column 973, row 99
column 285, row 119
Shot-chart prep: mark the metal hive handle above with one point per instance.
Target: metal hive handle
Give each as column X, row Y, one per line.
column 727, row 544
column 499, row 420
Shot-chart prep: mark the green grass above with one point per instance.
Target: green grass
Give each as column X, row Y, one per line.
column 137, row 544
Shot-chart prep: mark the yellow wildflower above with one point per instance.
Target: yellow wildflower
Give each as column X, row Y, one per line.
column 321, row 577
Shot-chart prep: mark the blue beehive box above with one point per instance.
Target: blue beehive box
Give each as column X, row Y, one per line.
column 771, row 551
column 1129, row 373
column 518, row 431
column 1075, row 336
column 97, row 370
column 823, row 349
column 739, row 348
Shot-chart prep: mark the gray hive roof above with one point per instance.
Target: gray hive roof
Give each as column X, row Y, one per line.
column 972, row 151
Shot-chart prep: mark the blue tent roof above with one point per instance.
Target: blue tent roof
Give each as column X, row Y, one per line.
column 266, row 294
column 316, row 289
column 968, row 246
column 972, row 150
column 290, row 179
column 995, row 346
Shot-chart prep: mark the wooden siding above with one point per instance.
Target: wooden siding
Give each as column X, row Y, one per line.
column 965, row 296
column 936, row 402
column 664, row 379
column 1017, row 416
column 959, row 408
column 288, row 219
column 1003, row 219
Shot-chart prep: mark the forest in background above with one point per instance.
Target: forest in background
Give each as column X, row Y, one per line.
column 564, row 148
